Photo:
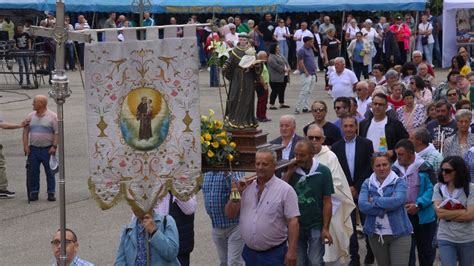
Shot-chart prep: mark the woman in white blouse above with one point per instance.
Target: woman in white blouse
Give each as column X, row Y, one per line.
column 425, row 30
column 369, row 34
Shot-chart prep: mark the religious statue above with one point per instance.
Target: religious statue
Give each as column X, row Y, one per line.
column 144, row 115
column 242, row 70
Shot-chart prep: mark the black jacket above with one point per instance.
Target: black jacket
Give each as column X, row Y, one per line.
column 362, row 166
column 394, row 131
column 293, row 144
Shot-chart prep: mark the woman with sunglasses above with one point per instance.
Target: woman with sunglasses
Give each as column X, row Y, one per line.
column 463, row 139
column 382, row 199
column 450, row 83
column 453, row 199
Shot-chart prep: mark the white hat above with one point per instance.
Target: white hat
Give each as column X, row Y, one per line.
column 53, row 163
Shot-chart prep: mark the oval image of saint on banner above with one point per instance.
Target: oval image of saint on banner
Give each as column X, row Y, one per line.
column 144, row 119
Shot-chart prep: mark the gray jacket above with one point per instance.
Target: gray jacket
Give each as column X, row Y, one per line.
column 276, row 68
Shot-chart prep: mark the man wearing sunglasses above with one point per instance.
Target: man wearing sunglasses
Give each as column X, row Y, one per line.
column 72, row 246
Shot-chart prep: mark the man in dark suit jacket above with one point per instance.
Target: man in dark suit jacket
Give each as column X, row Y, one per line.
column 356, row 164
column 371, row 128
column 288, row 137
column 390, row 48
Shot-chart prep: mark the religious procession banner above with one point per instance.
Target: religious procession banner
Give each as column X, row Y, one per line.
column 143, row 123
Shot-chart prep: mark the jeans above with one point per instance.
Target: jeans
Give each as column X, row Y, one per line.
column 428, row 52
column 391, row 251
column 24, row 63
column 450, row 253
column 214, row 76
column 422, row 240
column 80, row 53
column 70, row 58
column 229, row 245
column 308, row 82
column 310, row 248
column 38, row 156
column 283, row 48
column 3, row 173
column 360, row 68
column 274, row 257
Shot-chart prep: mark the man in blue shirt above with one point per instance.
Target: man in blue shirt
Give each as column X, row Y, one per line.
column 147, row 20
column 225, row 232
column 307, row 68
column 71, row 249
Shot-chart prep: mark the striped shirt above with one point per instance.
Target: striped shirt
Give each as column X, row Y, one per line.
column 42, row 128
column 77, row 262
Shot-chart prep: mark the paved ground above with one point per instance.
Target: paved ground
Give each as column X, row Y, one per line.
column 26, row 229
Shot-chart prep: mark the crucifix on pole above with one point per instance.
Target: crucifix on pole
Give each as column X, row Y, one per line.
column 59, row 93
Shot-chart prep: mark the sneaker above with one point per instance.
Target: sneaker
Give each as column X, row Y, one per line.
column 51, row 197
column 297, row 111
column 5, row 194
column 296, row 72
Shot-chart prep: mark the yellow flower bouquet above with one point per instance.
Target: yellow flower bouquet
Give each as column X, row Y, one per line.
column 217, row 146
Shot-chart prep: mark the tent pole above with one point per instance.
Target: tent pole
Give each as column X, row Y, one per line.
column 416, row 28
column 342, row 31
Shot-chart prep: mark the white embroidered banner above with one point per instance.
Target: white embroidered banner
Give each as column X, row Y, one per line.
column 143, row 123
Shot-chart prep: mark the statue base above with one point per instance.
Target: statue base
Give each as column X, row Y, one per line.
column 248, row 143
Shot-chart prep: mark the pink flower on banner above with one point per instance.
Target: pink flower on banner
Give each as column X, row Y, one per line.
column 113, row 97
column 183, row 178
column 110, row 87
column 169, row 161
column 109, row 184
column 122, row 164
column 176, row 83
column 174, row 93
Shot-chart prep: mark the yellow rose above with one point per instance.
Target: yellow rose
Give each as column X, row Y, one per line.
column 202, row 140
column 211, row 113
column 230, row 157
column 217, row 124
column 207, row 143
column 210, row 154
column 215, row 144
column 204, row 118
column 207, row 136
column 232, row 144
column 223, row 142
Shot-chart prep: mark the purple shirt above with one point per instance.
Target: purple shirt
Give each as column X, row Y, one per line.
column 307, row 54
column 42, row 128
column 264, row 223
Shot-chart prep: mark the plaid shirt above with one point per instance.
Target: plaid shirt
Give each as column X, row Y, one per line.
column 469, row 158
column 77, row 262
column 216, row 189
column 434, row 159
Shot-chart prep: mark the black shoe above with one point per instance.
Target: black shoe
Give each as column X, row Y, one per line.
column 273, row 108
column 284, row 106
column 354, row 262
column 305, row 110
column 5, row 194
column 51, row 197
column 34, row 197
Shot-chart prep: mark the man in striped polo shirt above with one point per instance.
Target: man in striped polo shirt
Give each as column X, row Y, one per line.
column 40, row 140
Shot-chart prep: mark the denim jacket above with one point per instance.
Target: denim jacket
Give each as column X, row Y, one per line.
column 392, row 203
column 164, row 243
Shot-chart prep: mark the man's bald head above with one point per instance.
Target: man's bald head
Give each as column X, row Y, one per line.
column 40, row 102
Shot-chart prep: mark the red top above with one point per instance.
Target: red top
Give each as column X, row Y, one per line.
column 395, row 104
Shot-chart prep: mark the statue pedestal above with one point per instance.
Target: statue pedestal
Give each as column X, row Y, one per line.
column 248, row 142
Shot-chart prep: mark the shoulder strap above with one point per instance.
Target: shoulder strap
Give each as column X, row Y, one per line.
column 164, row 222
column 466, row 190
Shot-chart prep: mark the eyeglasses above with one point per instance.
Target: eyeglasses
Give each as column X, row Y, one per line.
column 453, row 94
column 313, row 138
column 318, row 110
column 447, row 170
column 57, row 243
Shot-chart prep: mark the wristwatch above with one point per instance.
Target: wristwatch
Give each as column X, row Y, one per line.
column 418, row 206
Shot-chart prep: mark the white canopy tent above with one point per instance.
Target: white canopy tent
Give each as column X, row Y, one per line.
column 450, row 8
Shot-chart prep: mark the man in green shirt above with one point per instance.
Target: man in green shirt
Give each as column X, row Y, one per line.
column 312, row 182
column 241, row 27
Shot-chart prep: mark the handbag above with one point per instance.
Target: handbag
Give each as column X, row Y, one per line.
column 424, row 40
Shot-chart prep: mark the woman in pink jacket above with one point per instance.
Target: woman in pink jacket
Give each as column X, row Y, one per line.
column 402, row 34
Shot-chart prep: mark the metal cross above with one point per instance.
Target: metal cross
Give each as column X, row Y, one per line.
column 59, row 93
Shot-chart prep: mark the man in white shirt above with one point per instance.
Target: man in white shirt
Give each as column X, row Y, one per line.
column 342, row 81
column 363, row 98
column 300, row 34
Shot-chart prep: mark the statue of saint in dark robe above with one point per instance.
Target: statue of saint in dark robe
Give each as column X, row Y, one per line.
column 240, row 110
column 144, row 116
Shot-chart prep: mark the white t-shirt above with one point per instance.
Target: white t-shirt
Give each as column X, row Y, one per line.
column 279, row 33
column 352, row 31
column 376, row 130
column 425, row 27
column 299, row 35
column 362, row 105
column 370, row 34
column 343, row 84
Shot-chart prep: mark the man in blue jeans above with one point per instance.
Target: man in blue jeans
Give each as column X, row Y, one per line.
column 40, row 140
column 312, row 182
